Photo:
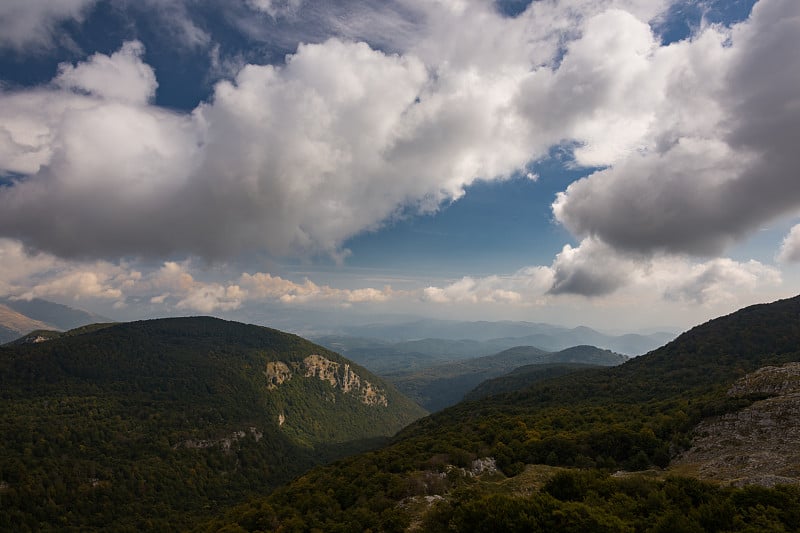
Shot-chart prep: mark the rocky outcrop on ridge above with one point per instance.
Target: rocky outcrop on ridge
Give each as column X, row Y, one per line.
column 338, row 375
column 756, row 445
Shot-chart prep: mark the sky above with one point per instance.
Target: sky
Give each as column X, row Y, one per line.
column 622, row 164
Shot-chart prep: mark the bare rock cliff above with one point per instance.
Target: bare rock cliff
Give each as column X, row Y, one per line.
column 758, row 444
column 338, row 375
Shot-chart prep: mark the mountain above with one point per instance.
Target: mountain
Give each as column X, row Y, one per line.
column 504, row 334
column 18, row 317
column 541, row 458
column 14, row 324
column 384, row 356
column 61, row 316
column 523, row 377
column 445, row 384
column 550, row 365
column 378, row 356
column 629, row 344
column 154, row 424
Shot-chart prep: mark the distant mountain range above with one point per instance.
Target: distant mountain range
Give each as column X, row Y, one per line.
column 473, row 339
column 549, row 336
column 386, row 357
column 18, row 317
column 14, row 324
column 445, row 384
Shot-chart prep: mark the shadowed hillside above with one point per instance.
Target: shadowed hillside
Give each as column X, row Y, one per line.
column 554, row 445
column 149, row 425
column 445, row 384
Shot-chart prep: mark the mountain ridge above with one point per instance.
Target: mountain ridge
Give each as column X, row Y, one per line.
column 577, row 430
column 505, row 334
column 95, row 417
column 445, row 384
column 19, row 317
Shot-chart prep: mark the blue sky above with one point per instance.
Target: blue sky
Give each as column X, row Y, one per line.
column 599, row 162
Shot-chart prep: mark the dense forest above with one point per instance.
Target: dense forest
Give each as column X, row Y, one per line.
column 587, row 425
column 445, row 384
column 157, row 424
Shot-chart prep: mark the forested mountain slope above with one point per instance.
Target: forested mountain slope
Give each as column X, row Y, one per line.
column 445, row 384
column 588, row 424
column 154, row 424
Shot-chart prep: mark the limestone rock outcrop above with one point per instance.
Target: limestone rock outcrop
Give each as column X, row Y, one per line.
column 338, row 375
column 757, row 444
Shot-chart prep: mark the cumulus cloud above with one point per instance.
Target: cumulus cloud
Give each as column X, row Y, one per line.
column 594, row 269
column 297, row 158
column 702, row 183
column 291, row 159
column 172, row 285
column 264, row 286
column 790, row 247
column 584, row 273
column 471, row 290
column 121, row 76
column 591, row 269
column 719, row 280
column 24, row 275
column 283, row 159
column 31, row 23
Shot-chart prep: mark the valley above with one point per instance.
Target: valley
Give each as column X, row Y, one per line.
column 609, row 440
column 205, row 424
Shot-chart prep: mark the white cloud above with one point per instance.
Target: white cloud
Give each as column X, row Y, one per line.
column 75, row 285
column 27, row 276
column 790, row 247
column 295, row 159
column 591, row 269
column 264, row 286
column 122, row 76
column 698, row 138
column 719, row 280
column 290, row 159
column 724, row 164
column 212, row 297
column 31, row 23
column 470, row 290
column 276, row 8
column 572, row 284
column 594, row 269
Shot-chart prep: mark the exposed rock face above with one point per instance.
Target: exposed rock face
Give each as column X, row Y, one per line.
column 322, row 368
column 226, row 443
column 759, row 444
column 485, row 465
column 338, row 375
column 277, row 372
column 769, row 380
